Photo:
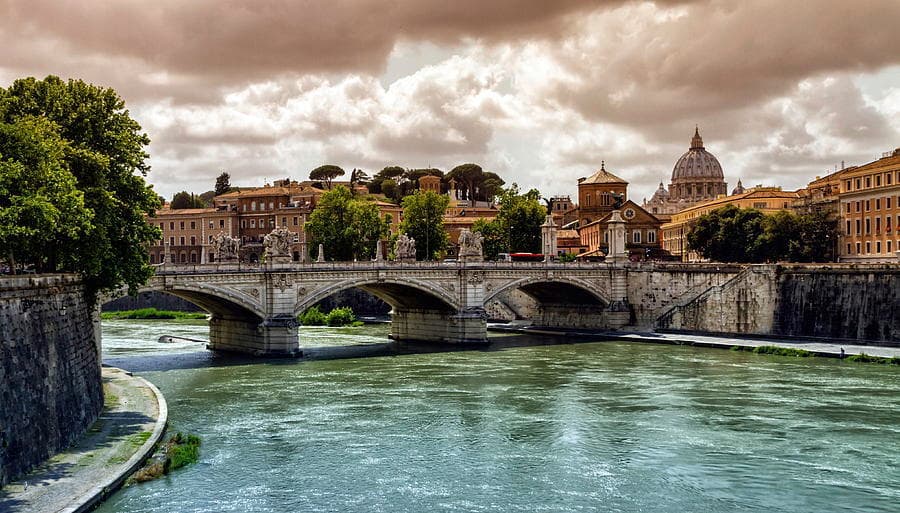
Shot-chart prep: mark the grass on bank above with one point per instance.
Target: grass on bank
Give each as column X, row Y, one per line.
column 341, row 316
column 802, row 353
column 152, row 313
column 180, row 450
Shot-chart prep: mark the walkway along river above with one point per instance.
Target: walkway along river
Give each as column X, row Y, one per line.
column 523, row 426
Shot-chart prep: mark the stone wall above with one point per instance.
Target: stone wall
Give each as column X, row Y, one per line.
column 50, row 386
column 838, row 301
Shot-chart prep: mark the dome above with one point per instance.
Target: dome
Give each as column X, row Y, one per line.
column 661, row 194
column 697, row 163
column 739, row 189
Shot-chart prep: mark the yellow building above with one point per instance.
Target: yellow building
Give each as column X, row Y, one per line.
column 870, row 211
column 766, row 199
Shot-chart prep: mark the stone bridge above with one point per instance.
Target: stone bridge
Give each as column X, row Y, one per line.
column 254, row 308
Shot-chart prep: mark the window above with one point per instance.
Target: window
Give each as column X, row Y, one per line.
column 210, row 224
column 868, row 247
column 210, row 239
column 868, row 226
column 878, row 204
column 887, row 202
column 271, row 205
column 877, row 180
column 181, row 225
column 857, row 206
column 283, row 221
column 760, row 204
column 887, row 224
column 636, row 236
column 171, row 241
column 858, row 184
column 181, row 240
column 161, row 226
column 193, row 257
column 253, row 206
column 295, row 220
column 848, row 227
column 172, row 225
column 243, row 223
column 848, row 249
column 889, row 242
column 193, row 225
column 858, row 231
column 847, row 187
column 183, row 258
column 651, row 236
column 848, row 208
column 868, row 205
column 878, row 224
column 193, row 240
column 868, row 181
column 253, row 223
column 221, row 223
column 244, row 207
column 878, row 246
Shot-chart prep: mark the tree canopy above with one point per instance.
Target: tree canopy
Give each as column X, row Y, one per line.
column 104, row 152
column 517, row 227
column 326, row 174
column 186, row 199
column 348, row 228
column 223, row 183
column 423, row 220
column 732, row 234
column 42, row 212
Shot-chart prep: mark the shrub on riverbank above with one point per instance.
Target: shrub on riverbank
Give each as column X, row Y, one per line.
column 342, row 316
column 867, row 358
column 179, row 451
column 152, row 313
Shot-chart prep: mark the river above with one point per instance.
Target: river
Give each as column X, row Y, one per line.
column 525, row 426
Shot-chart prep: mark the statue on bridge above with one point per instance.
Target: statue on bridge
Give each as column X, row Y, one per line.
column 405, row 248
column 225, row 247
column 470, row 246
column 278, row 242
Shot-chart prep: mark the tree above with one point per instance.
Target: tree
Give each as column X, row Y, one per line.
column 223, row 183
column 107, row 158
column 346, row 227
column 469, row 176
column 728, row 234
column 517, row 227
column 184, row 200
column 387, row 173
column 357, row 177
column 389, row 188
column 41, row 210
column 423, row 220
column 522, row 216
column 326, row 174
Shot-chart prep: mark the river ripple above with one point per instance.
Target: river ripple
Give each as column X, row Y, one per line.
column 603, row 426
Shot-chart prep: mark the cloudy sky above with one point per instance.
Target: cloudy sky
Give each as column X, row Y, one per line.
column 538, row 91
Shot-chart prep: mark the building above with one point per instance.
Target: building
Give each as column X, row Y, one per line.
column 563, row 210
column 870, row 211
column 599, row 194
column 766, row 199
column 187, row 234
column 641, row 233
column 696, row 178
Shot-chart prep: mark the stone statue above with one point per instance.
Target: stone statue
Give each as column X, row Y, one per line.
column 618, row 199
column 405, row 248
column 225, row 247
column 470, row 245
column 278, row 242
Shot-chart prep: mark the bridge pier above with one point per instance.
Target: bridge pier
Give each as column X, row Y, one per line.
column 274, row 336
column 468, row 326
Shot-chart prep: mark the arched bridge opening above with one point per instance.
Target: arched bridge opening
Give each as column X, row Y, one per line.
column 562, row 303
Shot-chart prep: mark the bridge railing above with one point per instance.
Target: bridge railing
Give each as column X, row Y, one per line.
column 244, row 267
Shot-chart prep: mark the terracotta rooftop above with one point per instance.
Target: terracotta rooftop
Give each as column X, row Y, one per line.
column 602, row 176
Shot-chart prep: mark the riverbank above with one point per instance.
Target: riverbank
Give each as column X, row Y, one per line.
column 816, row 347
column 133, row 421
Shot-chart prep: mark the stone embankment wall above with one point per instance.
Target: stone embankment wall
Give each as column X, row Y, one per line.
column 50, row 385
column 838, row 301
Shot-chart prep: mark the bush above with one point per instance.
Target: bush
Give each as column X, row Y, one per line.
column 782, row 351
column 152, row 313
column 867, row 358
column 313, row 317
column 342, row 316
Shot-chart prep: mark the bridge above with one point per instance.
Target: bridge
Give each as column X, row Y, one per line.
column 254, row 308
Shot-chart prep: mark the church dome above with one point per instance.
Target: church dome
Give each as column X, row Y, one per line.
column 697, row 163
column 661, row 193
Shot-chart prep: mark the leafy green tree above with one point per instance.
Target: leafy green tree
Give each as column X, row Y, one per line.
column 388, row 173
column 347, row 228
column 357, row 177
column 107, row 158
column 326, row 174
column 522, row 215
column 389, row 189
column 206, row 198
column 423, row 220
column 186, row 199
column 223, row 183
column 41, row 210
column 728, row 234
column 496, row 239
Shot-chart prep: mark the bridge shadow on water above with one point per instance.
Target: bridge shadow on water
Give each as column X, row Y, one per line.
column 206, row 359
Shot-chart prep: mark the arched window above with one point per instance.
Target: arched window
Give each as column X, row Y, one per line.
column 182, row 257
column 193, row 257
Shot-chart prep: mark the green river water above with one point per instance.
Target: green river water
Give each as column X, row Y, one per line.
column 528, row 425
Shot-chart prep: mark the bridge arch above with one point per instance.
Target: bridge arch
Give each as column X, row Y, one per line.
column 555, row 290
column 218, row 301
column 403, row 294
